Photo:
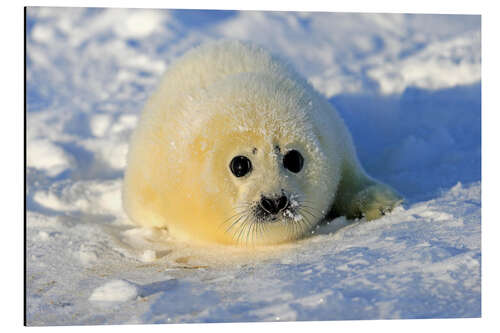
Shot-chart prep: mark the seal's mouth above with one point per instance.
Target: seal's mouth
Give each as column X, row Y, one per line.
column 258, row 220
column 275, row 209
column 263, row 215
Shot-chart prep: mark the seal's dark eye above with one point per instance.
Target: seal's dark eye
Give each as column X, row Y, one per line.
column 293, row 161
column 240, row 166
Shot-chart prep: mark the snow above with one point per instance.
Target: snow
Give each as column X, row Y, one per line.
column 114, row 291
column 45, row 155
column 408, row 88
column 139, row 24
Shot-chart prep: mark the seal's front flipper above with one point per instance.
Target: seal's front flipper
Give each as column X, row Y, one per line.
column 374, row 201
column 359, row 196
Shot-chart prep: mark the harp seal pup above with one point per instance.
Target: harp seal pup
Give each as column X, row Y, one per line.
column 235, row 147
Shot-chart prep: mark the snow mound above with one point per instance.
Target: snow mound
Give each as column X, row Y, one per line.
column 45, row 155
column 114, row 291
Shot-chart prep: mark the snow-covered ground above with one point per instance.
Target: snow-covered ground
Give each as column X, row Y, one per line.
column 409, row 89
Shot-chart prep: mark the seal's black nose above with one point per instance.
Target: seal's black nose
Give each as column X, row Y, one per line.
column 274, row 206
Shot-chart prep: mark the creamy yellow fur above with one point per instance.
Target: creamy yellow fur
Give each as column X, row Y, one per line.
column 224, row 99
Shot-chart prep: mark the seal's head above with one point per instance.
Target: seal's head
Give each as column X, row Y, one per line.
column 252, row 168
column 264, row 156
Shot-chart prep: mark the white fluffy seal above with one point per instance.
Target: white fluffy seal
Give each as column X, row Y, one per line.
column 235, row 147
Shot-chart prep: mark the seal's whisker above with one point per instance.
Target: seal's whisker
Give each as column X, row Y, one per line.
column 307, row 222
column 302, row 223
column 306, row 210
column 289, row 227
column 306, row 204
column 254, row 230
column 308, row 219
column 244, row 205
column 249, row 228
column 235, row 222
column 248, row 231
column 297, row 220
column 255, row 233
column 231, row 217
column 262, row 228
column 311, row 210
column 294, row 227
column 304, row 201
column 242, row 228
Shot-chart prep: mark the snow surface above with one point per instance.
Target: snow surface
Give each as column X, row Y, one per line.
column 409, row 89
column 114, row 291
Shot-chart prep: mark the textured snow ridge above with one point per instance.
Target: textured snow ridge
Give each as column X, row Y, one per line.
column 408, row 88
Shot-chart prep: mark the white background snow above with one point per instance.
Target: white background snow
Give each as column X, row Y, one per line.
column 409, row 89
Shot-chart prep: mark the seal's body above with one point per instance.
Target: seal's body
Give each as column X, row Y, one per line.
column 235, row 147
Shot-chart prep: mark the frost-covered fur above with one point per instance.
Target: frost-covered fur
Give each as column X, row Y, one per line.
column 231, row 98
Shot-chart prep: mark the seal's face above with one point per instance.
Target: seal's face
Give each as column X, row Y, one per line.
column 263, row 172
column 268, row 184
column 270, row 189
column 244, row 162
column 274, row 206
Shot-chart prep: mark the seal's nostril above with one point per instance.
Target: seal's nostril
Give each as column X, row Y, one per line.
column 274, row 206
column 268, row 205
column 282, row 202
